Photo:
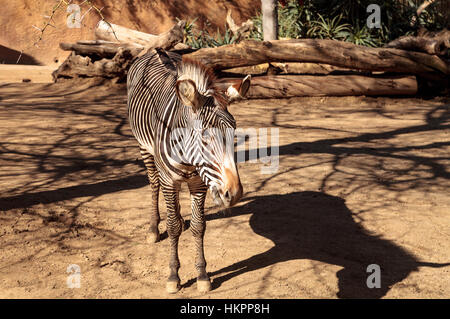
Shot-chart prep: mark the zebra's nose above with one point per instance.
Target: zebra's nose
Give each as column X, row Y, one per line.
column 231, row 191
column 232, row 195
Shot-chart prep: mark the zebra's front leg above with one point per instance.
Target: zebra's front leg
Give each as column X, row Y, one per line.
column 174, row 229
column 153, row 177
column 198, row 227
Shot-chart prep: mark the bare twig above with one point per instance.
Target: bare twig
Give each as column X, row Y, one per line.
column 99, row 12
column 50, row 22
column 419, row 11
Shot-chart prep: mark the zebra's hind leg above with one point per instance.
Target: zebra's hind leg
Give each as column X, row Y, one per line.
column 198, row 226
column 153, row 177
column 174, row 229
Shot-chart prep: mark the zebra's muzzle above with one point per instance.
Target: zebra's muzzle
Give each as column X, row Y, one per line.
column 216, row 196
column 226, row 197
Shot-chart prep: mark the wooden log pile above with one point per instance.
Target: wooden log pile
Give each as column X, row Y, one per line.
column 113, row 51
column 280, row 68
column 338, row 53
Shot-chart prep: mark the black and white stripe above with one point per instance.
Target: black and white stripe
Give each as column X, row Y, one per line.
column 157, row 118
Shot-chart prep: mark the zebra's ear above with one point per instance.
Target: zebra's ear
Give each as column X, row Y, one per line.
column 238, row 90
column 188, row 94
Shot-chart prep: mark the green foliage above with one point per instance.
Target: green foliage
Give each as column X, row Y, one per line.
column 346, row 20
column 290, row 20
column 326, row 28
column 362, row 36
column 396, row 18
column 188, row 30
column 335, row 19
column 256, row 33
column 227, row 38
column 197, row 39
column 294, row 20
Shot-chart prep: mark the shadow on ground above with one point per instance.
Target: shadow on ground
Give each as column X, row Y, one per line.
column 317, row 226
column 77, row 145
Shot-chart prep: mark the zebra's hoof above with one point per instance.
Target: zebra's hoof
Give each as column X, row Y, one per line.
column 152, row 238
column 203, row 285
column 173, row 287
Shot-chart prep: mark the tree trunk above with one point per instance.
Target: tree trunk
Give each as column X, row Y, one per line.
column 286, row 68
column 116, row 33
column 82, row 66
column 104, row 49
column 338, row 53
column 438, row 44
column 286, row 86
column 269, row 19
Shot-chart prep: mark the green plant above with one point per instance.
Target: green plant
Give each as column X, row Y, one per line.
column 197, row 39
column 334, row 19
column 290, row 22
column 362, row 36
column 326, row 28
column 188, row 31
column 293, row 20
column 219, row 40
column 256, row 33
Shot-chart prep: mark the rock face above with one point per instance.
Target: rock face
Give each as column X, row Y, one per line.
column 17, row 33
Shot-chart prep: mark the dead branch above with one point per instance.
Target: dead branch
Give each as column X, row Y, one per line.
column 285, row 86
column 437, row 44
column 337, row 53
column 116, row 33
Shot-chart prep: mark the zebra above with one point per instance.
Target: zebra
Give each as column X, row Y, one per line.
column 167, row 93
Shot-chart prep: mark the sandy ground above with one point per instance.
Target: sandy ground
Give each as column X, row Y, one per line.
column 360, row 181
column 12, row 73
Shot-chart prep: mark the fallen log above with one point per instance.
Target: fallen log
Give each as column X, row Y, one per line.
column 111, row 37
column 104, row 49
column 338, row 53
column 287, row 68
column 116, row 33
column 83, row 66
column 438, row 45
column 286, row 86
column 112, row 54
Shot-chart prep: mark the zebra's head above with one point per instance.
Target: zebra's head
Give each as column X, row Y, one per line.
column 210, row 143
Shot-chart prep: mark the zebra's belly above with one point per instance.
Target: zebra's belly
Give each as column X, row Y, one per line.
column 180, row 172
column 170, row 168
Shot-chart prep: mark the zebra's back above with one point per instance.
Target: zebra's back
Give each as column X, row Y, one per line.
column 151, row 94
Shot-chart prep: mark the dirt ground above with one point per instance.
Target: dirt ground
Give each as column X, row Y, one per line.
column 360, row 181
column 11, row 73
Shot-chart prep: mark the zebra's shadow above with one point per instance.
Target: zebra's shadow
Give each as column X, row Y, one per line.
column 317, row 226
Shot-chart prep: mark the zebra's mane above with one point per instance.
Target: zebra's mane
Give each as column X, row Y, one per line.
column 203, row 77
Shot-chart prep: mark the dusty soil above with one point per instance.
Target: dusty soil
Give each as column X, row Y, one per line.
column 360, row 181
column 13, row 73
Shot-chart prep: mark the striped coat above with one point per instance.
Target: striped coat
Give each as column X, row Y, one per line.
column 180, row 120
